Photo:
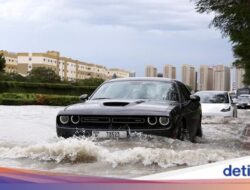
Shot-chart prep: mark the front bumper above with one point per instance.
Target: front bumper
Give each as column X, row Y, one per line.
column 243, row 105
column 69, row 131
column 219, row 114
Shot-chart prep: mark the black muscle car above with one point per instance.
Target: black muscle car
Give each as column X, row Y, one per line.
column 120, row 107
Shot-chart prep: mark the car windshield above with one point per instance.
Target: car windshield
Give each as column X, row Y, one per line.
column 153, row 90
column 213, row 97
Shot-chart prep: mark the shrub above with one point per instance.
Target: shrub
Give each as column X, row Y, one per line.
column 45, row 88
column 37, row 99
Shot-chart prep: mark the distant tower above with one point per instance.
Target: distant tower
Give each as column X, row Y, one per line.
column 188, row 76
column 132, row 74
column 169, row 71
column 150, row 71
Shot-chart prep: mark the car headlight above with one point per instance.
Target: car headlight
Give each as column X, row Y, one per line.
column 75, row 119
column 152, row 120
column 164, row 121
column 64, row 119
column 226, row 109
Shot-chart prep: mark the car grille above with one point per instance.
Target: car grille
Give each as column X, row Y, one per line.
column 112, row 122
column 90, row 120
column 95, row 119
column 127, row 120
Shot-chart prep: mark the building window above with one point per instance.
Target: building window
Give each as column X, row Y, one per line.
column 30, row 59
column 44, row 60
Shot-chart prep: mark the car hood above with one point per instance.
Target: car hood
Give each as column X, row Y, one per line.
column 213, row 108
column 121, row 107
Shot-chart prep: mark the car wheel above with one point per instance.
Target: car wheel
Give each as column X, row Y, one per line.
column 199, row 132
column 182, row 132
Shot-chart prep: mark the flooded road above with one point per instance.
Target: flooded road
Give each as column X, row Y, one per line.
column 28, row 140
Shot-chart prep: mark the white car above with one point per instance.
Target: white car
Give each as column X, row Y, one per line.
column 243, row 101
column 217, row 103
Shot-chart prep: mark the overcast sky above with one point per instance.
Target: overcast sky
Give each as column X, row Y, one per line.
column 127, row 34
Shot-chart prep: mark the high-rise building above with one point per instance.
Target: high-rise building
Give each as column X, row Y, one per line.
column 221, row 78
column 188, row 76
column 206, row 78
column 151, row 71
column 132, row 74
column 11, row 61
column 169, row 71
column 240, row 72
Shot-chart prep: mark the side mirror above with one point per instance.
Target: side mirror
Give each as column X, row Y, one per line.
column 194, row 98
column 83, row 97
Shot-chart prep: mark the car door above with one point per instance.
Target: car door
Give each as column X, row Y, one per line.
column 191, row 110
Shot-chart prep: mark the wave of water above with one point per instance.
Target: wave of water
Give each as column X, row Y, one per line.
column 77, row 150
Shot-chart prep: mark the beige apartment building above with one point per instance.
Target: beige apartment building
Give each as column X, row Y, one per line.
column 221, row 78
column 169, row 71
column 151, row 71
column 67, row 68
column 11, row 61
column 189, row 76
column 240, row 72
column 206, row 78
column 119, row 73
column 28, row 61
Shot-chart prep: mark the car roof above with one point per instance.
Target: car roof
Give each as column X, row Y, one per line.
column 144, row 79
column 213, row 91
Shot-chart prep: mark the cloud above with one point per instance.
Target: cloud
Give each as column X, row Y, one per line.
column 116, row 33
column 136, row 14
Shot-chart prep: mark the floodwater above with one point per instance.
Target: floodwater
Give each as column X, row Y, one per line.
column 28, row 140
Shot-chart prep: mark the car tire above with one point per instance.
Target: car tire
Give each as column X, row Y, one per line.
column 199, row 132
column 182, row 132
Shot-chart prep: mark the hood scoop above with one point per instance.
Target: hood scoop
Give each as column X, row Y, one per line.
column 118, row 104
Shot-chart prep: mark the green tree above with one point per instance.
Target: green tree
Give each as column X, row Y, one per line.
column 42, row 74
column 232, row 17
column 2, row 63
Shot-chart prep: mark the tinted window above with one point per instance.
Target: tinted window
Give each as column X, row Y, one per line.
column 155, row 90
column 213, row 97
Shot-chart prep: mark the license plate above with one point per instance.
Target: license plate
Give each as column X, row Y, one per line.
column 109, row 134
